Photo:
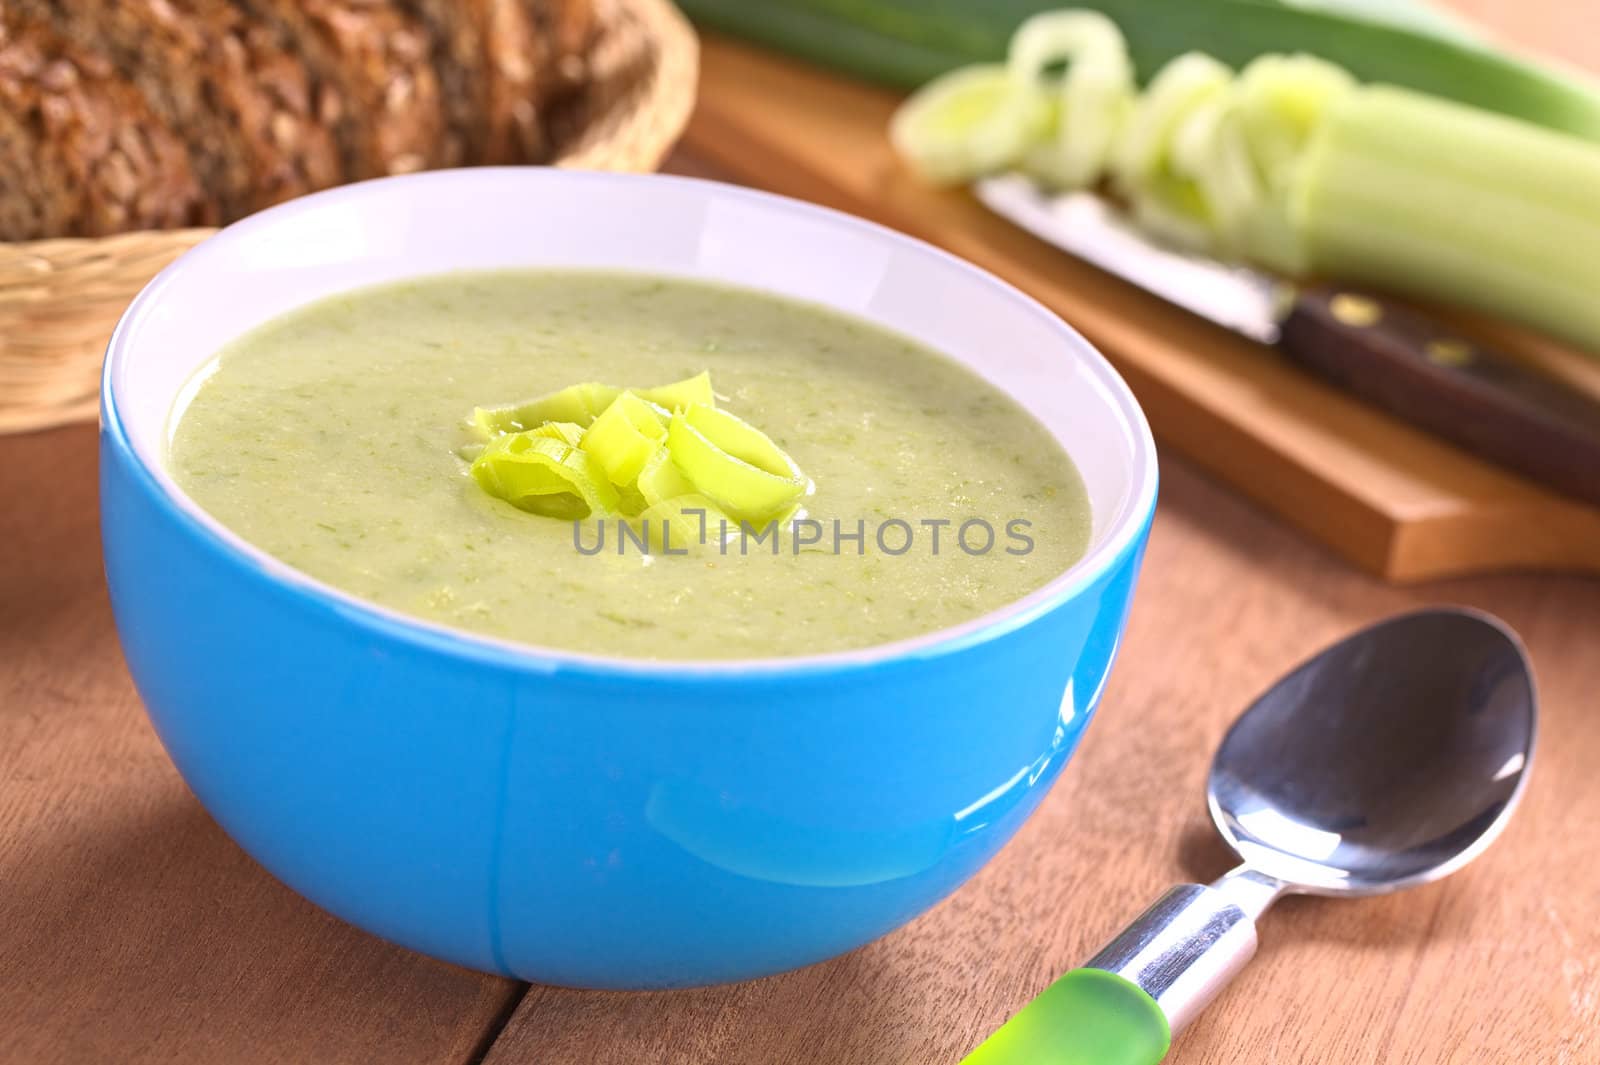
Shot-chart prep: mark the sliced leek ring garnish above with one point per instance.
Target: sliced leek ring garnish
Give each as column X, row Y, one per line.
column 569, row 433
column 734, row 464
column 484, row 428
column 688, row 523
column 647, row 453
column 660, row 479
column 681, row 394
column 624, row 437
column 487, row 423
column 543, row 475
column 579, row 404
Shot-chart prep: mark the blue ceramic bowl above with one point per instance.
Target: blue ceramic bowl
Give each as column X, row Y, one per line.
column 574, row 819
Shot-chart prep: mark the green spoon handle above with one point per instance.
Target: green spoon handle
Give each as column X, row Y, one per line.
column 1124, row 1006
column 1087, row 1017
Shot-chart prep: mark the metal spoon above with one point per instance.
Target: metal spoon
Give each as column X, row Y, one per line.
column 1388, row 760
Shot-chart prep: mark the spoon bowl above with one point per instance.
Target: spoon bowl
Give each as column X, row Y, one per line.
column 1391, row 759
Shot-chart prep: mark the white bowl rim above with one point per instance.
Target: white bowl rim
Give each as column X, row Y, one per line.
column 1126, row 527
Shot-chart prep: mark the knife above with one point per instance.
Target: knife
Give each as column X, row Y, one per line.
column 1392, row 357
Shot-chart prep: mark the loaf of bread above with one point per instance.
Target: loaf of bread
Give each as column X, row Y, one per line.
column 132, row 114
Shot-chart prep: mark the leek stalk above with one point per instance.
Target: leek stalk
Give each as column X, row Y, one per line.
column 1293, row 165
column 1425, row 196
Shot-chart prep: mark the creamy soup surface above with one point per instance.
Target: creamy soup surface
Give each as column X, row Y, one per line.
column 329, row 438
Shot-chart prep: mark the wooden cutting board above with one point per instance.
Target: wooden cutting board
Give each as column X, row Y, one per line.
column 1395, row 501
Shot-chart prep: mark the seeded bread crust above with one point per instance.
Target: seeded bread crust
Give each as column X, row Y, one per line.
column 33, row 201
column 84, row 154
column 158, row 57
column 374, row 61
column 500, row 62
column 127, row 114
column 230, row 89
column 264, row 87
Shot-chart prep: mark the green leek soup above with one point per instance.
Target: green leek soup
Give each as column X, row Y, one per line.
column 333, row 438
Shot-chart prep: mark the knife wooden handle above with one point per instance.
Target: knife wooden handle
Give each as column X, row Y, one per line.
column 1419, row 370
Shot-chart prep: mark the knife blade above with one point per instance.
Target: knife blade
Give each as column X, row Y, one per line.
column 1390, row 356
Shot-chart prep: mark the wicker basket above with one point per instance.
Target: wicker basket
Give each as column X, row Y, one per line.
column 60, row 299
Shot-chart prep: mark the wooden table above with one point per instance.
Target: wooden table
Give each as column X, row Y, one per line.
column 132, row 930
